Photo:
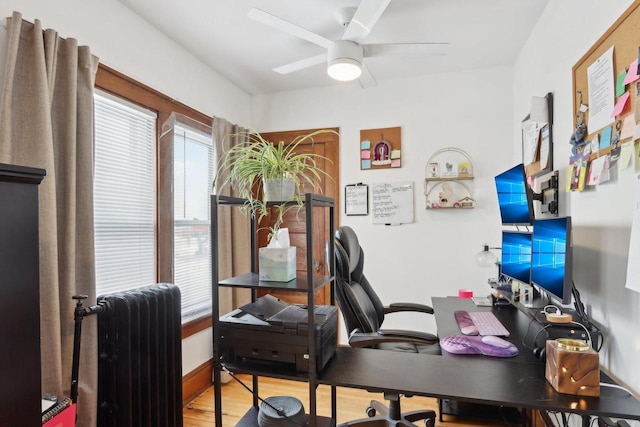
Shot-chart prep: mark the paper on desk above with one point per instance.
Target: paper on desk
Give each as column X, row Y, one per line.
column 280, row 239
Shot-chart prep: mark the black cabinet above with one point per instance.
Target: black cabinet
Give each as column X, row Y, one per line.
column 20, row 393
column 307, row 284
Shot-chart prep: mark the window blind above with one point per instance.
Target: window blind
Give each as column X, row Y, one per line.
column 193, row 177
column 124, row 194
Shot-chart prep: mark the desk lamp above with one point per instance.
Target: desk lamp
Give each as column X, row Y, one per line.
column 486, row 258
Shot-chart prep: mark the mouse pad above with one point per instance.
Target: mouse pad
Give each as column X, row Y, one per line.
column 465, row 344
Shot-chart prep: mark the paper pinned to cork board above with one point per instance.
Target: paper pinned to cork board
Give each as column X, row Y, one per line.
column 633, row 268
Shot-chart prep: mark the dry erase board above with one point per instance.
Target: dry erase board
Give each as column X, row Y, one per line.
column 356, row 199
column 392, row 203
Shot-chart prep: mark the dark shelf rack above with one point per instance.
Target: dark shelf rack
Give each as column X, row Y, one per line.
column 300, row 283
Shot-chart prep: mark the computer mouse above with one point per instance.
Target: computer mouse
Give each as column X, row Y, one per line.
column 469, row 330
column 496, row 341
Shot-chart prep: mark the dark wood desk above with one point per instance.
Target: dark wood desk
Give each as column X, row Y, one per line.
column 518, row 382
column 522, row 329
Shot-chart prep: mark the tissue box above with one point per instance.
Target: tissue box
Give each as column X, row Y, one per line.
column 572, row 369
column 277, row 264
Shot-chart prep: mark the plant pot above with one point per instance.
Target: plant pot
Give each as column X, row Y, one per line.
column 278, row 190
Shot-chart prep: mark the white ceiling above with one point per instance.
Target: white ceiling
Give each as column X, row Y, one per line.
column 481, row 33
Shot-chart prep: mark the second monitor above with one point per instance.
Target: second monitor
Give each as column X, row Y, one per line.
column 516, row 255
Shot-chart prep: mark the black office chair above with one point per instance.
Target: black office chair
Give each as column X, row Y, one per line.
column 363, row 314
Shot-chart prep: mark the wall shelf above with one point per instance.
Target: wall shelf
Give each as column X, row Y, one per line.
column 449, row 180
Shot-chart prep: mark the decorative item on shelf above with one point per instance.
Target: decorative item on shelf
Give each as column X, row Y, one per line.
column 444, row 197
column 463, row 169
column 466, row 202
column 279, row 169
column 449, row 171
column 434, row 170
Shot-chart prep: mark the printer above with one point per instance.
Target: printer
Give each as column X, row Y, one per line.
column 274, row 332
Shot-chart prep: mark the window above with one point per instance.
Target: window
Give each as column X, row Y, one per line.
column 124, row 194
column 135, row 226
column 192, row 180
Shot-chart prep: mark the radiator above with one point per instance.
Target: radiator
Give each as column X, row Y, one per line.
column 140, row 358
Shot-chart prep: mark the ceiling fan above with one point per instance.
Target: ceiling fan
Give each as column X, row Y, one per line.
column 344, row 57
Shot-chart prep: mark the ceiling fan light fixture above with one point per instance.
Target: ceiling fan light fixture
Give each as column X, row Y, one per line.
column 344, row 60
column 344, row 69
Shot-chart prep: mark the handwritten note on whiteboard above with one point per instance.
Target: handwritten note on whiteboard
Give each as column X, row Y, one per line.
column 392, row 203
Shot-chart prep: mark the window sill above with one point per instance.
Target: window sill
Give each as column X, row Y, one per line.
column 195, row 325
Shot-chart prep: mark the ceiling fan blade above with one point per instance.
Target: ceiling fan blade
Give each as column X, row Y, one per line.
column 407, row 49
column 366, row 78
column 299, row 65
column 364, row 19
column 286, row 26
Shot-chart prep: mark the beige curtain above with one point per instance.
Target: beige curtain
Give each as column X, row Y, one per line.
column 46, row 121
column 234, row 234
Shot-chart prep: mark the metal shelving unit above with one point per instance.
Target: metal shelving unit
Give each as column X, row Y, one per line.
column 308, row 283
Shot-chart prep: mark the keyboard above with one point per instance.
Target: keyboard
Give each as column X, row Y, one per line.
column 480, row 323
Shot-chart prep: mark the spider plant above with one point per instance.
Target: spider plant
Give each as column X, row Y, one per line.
column 249, row 165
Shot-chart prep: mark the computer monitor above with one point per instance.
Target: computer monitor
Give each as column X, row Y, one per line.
column 515, row 197
column 516, row 256
column 552, row 258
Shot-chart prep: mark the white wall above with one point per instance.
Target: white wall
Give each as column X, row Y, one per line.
column 478, row 111
column 471, row 110
column 125, row 42
column 601, row 216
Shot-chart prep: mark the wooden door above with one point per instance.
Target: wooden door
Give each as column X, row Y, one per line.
column 326, row 145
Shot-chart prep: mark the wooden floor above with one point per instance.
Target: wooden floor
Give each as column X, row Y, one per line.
column 351, row 403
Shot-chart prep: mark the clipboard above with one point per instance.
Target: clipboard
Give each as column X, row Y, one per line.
column 356, row 199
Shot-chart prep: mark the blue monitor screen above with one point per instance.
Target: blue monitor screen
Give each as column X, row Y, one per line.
column 551, row 259
column 515, row 198
column 516, row 255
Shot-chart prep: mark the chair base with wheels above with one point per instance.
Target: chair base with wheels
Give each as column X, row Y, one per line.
column 381, row 415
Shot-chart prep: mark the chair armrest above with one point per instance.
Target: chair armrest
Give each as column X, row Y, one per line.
column 369, row 339
column 415, row 335
column 407, row 306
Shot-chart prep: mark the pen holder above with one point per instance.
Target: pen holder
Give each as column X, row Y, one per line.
column 573, row 367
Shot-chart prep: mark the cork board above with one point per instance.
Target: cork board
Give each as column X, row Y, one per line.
column 380, row 148
column 623, row 36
